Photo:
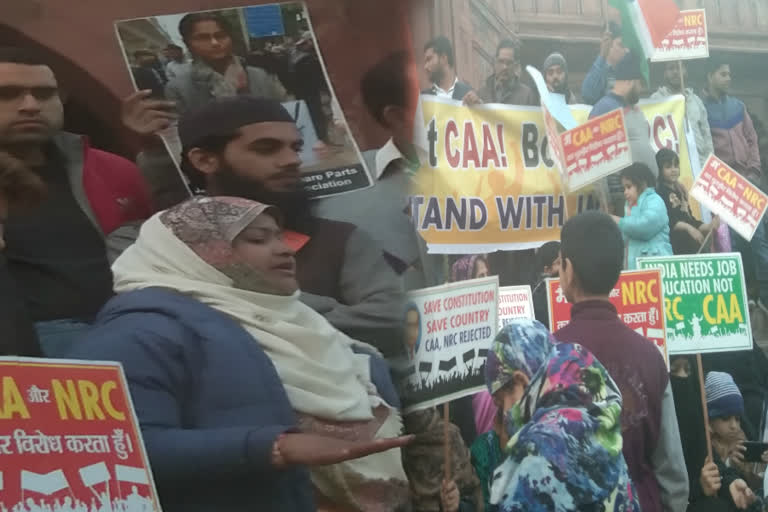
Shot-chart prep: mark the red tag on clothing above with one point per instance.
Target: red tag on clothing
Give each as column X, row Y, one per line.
column 295, row 240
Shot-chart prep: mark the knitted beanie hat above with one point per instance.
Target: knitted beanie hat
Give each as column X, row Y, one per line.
column 723, row 396
column 556, row 59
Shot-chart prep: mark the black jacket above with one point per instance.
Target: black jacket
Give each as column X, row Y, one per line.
column 17, row 333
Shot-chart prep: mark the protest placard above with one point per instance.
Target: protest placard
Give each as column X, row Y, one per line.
column 583, row 153
column 687, row 40
column 448, row 331
column 69, row 438
column 273, row 53
column 515, row 302
column 705, row 302
column 638, row 299
column 490, row 181
column 595, row 149
column 739, row 203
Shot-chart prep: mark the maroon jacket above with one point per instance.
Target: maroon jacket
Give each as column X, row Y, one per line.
column 641, row 374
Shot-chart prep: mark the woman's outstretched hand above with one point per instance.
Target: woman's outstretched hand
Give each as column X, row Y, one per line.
column 317, row 450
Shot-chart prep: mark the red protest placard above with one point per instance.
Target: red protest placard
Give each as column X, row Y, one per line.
column 739, row 203
column 69, row 439
column 688, row 40
column 638, row 299
column 595, row 149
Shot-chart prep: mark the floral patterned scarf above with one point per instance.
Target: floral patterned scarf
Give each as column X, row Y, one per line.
column 564, row 452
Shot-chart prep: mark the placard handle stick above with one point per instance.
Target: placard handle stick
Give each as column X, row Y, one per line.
column 705, row 242
column 682, row 78
column 447, row 441
column 682, row 91
column 704, row 405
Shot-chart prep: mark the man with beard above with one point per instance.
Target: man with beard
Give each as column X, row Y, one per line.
column 249, row 147
column 439, row 66
column 625, row 94
column 695, row 111
column 58, row 253
column 556, row 76
column 504, row 85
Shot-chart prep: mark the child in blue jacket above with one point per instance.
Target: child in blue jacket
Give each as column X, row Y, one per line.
column 645, row 224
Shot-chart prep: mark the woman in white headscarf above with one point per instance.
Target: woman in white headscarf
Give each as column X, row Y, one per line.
column 208, row 308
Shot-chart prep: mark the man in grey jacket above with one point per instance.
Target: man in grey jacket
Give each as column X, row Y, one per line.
column 390, row 96
column 215, row 71
column 695, row 111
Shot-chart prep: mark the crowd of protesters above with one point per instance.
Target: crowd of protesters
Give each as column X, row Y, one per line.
column 254, row 325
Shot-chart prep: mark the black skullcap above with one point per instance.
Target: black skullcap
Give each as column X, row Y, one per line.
column 224, row 116
column 629, row 67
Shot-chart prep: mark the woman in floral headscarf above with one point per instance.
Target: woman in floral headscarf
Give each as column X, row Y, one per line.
column 239, row 386
column 561, row 416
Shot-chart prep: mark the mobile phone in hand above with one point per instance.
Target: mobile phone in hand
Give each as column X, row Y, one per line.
column 754, row 451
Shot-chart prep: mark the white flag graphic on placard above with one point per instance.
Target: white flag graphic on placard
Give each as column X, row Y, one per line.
column 47, row 483
column 131, row 474
column 95, row 474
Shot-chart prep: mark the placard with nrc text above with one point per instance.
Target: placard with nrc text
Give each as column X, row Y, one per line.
column 69, row 439
column 638, row 299
column 448, row 331
column 738, row 202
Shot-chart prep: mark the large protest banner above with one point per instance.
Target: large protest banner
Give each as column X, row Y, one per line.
column 705, row 302
column 726, row 193
column 448, row 331
column 489, row 181
column 638, row 299
column 515, row 302
column 69, row 438
column 687, row 40
column 255, row 38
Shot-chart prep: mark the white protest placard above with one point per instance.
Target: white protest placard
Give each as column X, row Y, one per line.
column 726, row 193
column 448, row 331
column 515, row 302
column 687, row 40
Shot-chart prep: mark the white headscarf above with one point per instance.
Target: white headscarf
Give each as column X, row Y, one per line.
column 178, row 249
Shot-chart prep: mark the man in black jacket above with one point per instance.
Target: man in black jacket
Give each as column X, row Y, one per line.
column 439, row 65
column 19, row 188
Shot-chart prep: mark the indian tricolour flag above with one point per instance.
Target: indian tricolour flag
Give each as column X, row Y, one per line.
column 645, row 23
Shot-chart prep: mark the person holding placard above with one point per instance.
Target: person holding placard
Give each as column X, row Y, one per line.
column 561, row 415
column 625, row 94
column 687, row 233
column 592, row 254
column 695, row 111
